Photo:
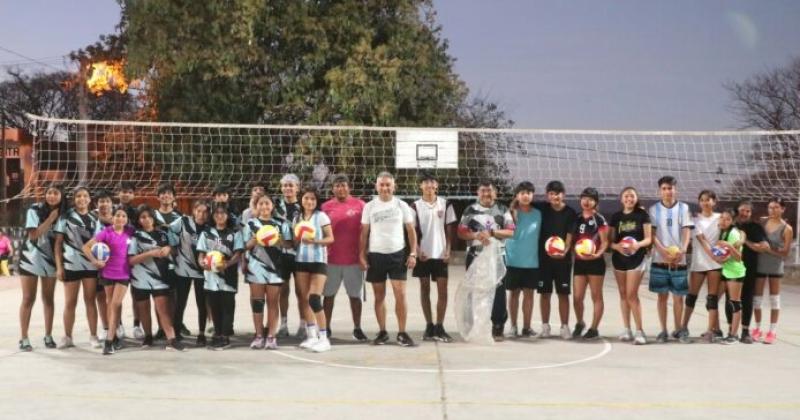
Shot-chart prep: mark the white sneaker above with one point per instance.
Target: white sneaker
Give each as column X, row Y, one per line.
column 308, row 343
column 545, row 331
column 138, row 332
column 65, row 343
column 95, row 343
column 513, row 331
column 101, row 335
column 625, row 335
column 321, row 345
column 565, row 332
column 120, row 332
column 639, row 339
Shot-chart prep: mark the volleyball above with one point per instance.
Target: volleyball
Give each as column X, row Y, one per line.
column 215, row 261
column 628, row 243
column 267, row 235
column 720, row 251
column 585, row 247
column 101, row 251
column 555, row 246
column 304, row 230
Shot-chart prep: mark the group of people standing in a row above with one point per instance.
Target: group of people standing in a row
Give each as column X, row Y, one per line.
column 161, row 254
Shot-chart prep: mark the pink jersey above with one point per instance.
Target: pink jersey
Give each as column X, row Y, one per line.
column 5, row 245
column 117, row 267
column 346, row 225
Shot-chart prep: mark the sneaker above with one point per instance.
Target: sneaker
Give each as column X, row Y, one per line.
column 201, row 341
column 329, row 333
column 117, row 343
column 429, row 334
column 513, row 332
column 381, row 338
column 528, row 333
column 66, row 342
column 746, row 338
column 625, row 335
column 210, row 330
column 497, row 333
column 138, row 332
column 639, row 339
column 565, row 334
column 108, row 348
column 591, row 334
column 359, row 335
column 217, row 343
column 676, row 334
column 718, row 336
column 308, row 343
column 25, row 345
column 184, row 330
column 257, row 343
column 147, row 341
column 49, row 342
column 271, row 344
column 404, row 340
column 95, row 343
column 321, row 345
column 683, row 337
column 731, row 339
column 175, row 345
column 120, row 332
column 283, row 331
column 545, row 331
column 662, row 337
column 301, row 333
column 101, row 335
column 756, row 334
column 576, row 333
column 442, row 335
column 771, row 337
column 160, row 334
column 707, row 337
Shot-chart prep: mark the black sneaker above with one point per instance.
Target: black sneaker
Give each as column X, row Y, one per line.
column 718, row 336
column 108, row 348
column 497, row 333
column 175, row 345
column 528, row 333
column 330, row 333
column 404, row 340
column 441, row 335
column 382, row 338
column 591, row 334
column 226, row 342
column 117, row 344
column 576, row 333
column 676, row 334
column 160, row 335
column 49, row 342
column 201, row 341
column 25, row 345
column 217, row 343
column 359, row 335
column 430, row 333
column 147, row 341
column 185, row 331
column 746, row 338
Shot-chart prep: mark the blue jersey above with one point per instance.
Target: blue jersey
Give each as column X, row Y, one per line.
column 152, row 273
column 76, row 229
column 522, row 249
column 314, row 253
column 263, row 263
column 36, row 256
column 228, row 242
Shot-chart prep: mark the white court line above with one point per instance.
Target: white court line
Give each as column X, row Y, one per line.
column 606, row 349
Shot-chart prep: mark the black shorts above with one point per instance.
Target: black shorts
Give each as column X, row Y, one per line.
column 627, row 263
column 430, row 269
column 109, row 282
column 383, row 266
column 595, row 267
column 521, row 278
column 311, row 267
column 70, row 275
column 558, row 274
column 144, row 294
column 287, row 267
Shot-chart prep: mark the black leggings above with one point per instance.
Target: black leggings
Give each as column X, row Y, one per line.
column 182, row 286
column 748, row 290
column 223, row 306
column 499, row 309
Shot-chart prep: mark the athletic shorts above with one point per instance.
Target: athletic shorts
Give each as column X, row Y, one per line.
column 386, row 266
column 559, row 275
column 521, row 278
column 595, row 267
column 739, row 280
column 628, row 263
column 311, row 267
column 665, row 280
column 287, row 267
column 111, row 282
column 642, row 267
column 144, row 294
column 350, row 275
column 430, row 269
column 70, row 275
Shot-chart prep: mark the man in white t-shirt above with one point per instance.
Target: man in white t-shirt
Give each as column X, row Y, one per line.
column 668, row 273
column 382, row 253
column 435, row 219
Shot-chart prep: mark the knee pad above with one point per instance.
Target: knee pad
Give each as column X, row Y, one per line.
column 775, row 301
column 712, row 302
column 691, row 300
column 315, row 302
column 757, row 301
column 736, row 305
column 257, row 305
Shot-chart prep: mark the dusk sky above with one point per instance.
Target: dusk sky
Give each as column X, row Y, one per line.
column 585, row 64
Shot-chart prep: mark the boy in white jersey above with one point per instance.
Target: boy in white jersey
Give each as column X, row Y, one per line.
column 673, row 225
column 435, row 221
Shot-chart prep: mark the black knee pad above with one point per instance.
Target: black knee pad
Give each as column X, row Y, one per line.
column 257, row 305
column 315, row 302
column 712, row 302
column 691, row 300
column 736, row 305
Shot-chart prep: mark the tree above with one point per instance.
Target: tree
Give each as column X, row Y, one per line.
column 40, row 93
column 771, row 101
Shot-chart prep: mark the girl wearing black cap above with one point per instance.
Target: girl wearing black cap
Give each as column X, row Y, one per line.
column 590, row 267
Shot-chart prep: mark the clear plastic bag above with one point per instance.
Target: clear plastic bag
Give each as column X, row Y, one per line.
column 475, row 295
